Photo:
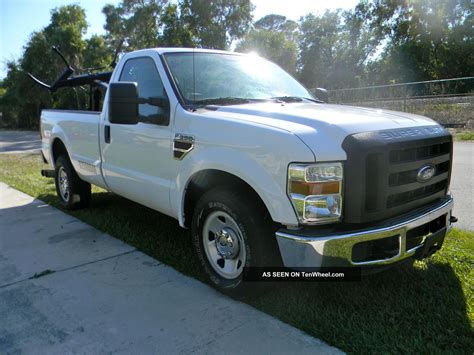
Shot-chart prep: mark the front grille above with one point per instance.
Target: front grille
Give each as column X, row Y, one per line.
column 407, row 177
column 412, row 195
column 419, row 153
column 405, row 164
column 381, row 175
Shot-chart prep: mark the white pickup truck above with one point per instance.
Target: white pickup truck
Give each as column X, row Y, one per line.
column 261, row 171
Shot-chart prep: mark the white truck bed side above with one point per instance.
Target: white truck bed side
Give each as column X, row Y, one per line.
column 79, row 132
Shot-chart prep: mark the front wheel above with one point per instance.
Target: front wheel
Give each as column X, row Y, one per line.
column 73, row 192
column 230, row 233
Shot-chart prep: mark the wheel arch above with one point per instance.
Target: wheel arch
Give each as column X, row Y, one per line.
column 58, row 148
column 204, row 180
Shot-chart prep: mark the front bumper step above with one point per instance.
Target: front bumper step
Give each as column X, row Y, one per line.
column 336, row 250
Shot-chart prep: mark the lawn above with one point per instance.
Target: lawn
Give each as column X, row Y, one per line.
column 465, row 136
column 425, row 308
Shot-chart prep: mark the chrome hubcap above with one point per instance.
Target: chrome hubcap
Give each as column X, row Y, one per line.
column 224, row 245
column 63, row 183
column 227, row 244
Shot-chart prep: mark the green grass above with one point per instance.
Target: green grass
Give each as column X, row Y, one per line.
column 427, row 308
column 465, row 136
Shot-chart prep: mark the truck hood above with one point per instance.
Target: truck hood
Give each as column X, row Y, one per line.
column 322, row 127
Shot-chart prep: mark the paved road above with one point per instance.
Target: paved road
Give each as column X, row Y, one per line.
column 102, row 296
column 462, row 184
column 19, row 142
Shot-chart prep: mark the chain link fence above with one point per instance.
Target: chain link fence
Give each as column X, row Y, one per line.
column 449, row 101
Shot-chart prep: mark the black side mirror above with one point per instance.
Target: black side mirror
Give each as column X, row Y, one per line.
column 321, row 94
column 123, row 102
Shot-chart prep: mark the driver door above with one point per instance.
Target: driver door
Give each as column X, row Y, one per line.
column 136, row 157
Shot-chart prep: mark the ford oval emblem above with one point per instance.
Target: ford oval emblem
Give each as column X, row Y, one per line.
column 425, row 173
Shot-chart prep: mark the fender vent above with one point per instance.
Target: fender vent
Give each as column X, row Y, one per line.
column 182, row 145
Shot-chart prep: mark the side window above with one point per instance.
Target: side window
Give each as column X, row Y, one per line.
column 143, row 71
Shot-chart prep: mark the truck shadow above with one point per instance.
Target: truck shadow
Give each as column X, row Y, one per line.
column 400, row 309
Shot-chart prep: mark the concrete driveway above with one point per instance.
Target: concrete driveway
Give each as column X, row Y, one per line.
column 67, row 288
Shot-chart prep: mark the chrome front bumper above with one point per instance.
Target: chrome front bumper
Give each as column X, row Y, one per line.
column 301, row 250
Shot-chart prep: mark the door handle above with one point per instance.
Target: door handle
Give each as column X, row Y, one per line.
column 107, row 134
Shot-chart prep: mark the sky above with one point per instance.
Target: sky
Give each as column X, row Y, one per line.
column 19, row 18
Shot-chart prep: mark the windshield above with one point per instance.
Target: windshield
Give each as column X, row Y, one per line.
column 230, row 78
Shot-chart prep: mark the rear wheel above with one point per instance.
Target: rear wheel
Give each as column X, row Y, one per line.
column 73, row 192
column 232, row 232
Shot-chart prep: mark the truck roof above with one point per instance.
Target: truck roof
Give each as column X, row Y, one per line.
column 162, row 50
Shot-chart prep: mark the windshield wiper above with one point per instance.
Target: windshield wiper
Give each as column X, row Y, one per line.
column 296, row 99
column 224, row 101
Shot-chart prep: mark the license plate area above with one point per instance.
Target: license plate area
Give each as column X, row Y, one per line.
column 416, row 236
column 432, row 244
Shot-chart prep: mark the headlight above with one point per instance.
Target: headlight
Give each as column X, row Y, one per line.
column 315, row 191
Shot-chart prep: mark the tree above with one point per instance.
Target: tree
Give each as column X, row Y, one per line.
column 68, row 26
column 66, row 30
column 153, row 23
column 176, row 30
column 377, row 42
column 386, row 41
column 425, row 40
column 23, row 100
column 217, row 23
column 337, row 47
column 10, row 99
column 134, row 22
column 273, row 37
column 97, row 55
column 320, row 45
column 279, row 23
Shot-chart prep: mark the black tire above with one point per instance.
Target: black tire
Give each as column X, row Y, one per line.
column 78, row 191
column 256, row 229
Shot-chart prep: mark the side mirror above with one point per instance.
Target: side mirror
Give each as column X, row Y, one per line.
column 321, row 94
column 123, row 102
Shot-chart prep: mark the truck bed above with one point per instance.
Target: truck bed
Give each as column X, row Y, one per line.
column 79, row 131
